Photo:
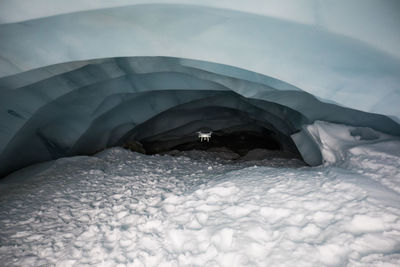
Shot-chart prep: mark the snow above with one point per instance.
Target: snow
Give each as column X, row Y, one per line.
column 121, row 208
column 331, row 143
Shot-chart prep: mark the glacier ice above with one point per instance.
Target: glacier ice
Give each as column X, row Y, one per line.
column 75, row 79
column 82, row 108
column 317, row 54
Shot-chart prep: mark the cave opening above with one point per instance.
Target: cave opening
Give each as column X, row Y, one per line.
column 234, row 143
column 237, row 128
column 244, row 142
column 238, row 141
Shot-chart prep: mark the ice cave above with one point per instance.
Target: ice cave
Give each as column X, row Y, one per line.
column 100, row 106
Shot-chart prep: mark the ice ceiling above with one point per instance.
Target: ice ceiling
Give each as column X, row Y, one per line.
column 79, row 76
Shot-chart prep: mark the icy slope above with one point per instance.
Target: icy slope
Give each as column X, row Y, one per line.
column 120, row 208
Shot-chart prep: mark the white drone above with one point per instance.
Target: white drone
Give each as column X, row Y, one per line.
column 204, row 136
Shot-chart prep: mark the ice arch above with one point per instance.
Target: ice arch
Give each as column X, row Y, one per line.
column 71, row 83
column 83, row 107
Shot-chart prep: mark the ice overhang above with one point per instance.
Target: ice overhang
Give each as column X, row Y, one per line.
column 83, row 107
column 77, row 82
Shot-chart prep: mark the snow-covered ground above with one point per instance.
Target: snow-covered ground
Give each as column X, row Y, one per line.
column 120, row 208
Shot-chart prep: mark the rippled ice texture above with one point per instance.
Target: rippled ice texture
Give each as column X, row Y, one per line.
column 121, row 208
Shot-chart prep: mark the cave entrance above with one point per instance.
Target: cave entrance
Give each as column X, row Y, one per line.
column 239, row 126
column 239, row 142
column 242, row 142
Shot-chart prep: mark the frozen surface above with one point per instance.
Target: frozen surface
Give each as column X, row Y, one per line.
column 123, row 208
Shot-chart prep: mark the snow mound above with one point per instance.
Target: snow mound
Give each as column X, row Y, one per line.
column 331, row 143
column 120, row 208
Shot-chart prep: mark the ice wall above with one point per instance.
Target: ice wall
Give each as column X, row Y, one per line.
column 83, row 107
column 79, row 76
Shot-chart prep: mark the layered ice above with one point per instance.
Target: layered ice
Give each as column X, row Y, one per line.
column 77, row 78
column 334, row 51
column 83, row 107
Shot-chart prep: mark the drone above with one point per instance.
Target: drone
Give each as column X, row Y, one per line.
column 204, row 136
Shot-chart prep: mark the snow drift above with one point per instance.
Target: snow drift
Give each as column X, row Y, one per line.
column 119, row 208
